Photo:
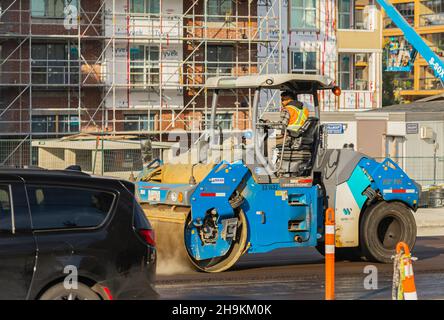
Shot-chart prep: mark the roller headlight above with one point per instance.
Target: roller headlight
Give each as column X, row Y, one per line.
column 176, row 196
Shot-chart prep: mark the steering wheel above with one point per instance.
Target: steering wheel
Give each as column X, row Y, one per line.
column 264, row 124
column 154, row 164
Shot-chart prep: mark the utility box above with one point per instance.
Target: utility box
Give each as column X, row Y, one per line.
column 426, row 133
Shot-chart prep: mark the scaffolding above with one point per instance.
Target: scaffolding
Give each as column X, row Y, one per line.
column 127, row 66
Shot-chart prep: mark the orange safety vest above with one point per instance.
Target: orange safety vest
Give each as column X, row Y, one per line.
column 297, row 117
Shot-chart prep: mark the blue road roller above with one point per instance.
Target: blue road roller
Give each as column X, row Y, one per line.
column 232, row 193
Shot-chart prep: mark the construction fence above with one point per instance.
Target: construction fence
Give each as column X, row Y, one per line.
column 120, row 158
column 114, row 158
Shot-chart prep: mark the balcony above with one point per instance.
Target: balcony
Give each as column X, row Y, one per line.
column 430, row 83
column 407, row 10
column 435, row 41
column 361, row 85
column 433, row 19
column 389, row 24
column 439, row 50
column 356, row 17
column 403, row 83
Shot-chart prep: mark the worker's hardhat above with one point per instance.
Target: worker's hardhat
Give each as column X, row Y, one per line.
column 288, row 94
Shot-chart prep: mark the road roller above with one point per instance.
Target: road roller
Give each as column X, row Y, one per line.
column 257, row 190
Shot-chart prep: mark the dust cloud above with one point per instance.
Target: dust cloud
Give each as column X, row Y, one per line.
column 171, row 252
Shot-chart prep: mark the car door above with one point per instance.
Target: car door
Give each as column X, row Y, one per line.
column 66, row 220
column 17, row 243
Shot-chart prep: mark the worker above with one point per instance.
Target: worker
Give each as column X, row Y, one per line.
column 294, row 112
column 293, row 116
column 393, row 51
column 146, row 149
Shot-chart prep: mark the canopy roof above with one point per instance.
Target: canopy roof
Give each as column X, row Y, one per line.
column 284, row 81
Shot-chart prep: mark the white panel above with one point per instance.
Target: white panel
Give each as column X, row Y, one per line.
column 396, row 128
column 171, row 25
column 119, row 16
column 172, row 99
column 347, row 225
column 356, row 100
column 158, row 32
column 119, row 62
column 337, row 141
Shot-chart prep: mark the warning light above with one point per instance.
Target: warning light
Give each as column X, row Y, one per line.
column 336, row 91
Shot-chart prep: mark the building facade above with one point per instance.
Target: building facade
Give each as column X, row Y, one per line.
column 139, row 66
column 427, row 18
column 341, row 39
column 125, row 66
column 118, row 66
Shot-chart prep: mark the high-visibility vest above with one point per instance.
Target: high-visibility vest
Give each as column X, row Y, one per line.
column 298, row 116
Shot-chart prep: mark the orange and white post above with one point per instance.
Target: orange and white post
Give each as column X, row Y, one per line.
column 406, row 270
column 330, row 254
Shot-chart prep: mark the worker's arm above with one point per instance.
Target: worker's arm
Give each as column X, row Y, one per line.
column 282, row 124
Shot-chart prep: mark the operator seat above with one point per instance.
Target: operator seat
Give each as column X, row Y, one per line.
column 299, row 150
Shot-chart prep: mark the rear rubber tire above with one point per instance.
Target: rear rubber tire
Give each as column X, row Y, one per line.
column 58, row 292
column 382, row 226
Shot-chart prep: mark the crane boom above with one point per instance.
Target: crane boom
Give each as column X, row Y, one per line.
column 434, row 61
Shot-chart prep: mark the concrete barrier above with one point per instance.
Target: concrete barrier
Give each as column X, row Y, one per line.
column 430, row 222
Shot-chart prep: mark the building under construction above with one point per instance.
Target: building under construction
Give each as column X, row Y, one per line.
column 427, row 18
column 126, row 66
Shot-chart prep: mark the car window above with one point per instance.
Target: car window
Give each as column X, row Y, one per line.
column 67, row 207
column 5, row 209
column 139, row 219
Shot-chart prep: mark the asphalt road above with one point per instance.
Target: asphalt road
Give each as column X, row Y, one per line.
column 299, row 274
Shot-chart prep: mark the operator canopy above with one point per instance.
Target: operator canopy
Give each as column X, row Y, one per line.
column 286, row 81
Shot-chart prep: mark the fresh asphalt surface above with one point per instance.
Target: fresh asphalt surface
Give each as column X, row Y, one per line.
column 299, row 274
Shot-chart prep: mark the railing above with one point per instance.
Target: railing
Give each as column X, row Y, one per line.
column 430, row 83
column 106, row 23
column 143, row 74
column 361, row 84
column 354, row 99
column 47, row 128
column 434, row 19
column 438, row 49
column 17, row 72
column 404, row 83
column 389, row 24
column 362, row 19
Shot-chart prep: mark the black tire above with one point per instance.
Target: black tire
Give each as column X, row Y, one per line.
column 382, row 226
column 58, row 292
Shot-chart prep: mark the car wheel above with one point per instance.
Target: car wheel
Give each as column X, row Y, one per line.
column 59, row 292
column 382, row 227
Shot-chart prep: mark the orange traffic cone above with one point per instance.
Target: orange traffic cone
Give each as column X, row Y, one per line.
column 407, row 288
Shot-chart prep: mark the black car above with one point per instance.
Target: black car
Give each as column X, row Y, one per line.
column 67, row 235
